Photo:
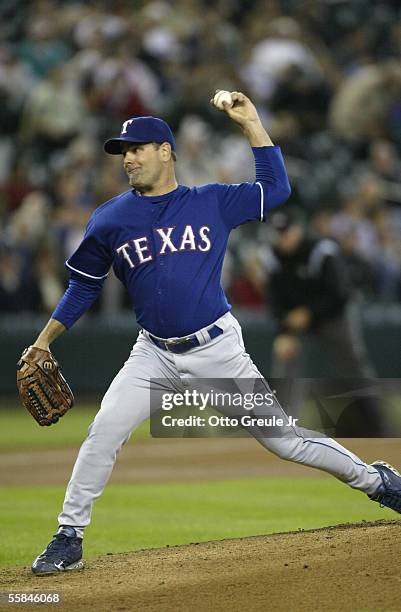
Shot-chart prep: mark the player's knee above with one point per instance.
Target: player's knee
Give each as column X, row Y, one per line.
column 289, row 449
column 106, row 433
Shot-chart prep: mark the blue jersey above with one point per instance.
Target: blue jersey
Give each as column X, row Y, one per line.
column 168, row 250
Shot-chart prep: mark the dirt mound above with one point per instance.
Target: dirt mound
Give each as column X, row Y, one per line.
column 347, row 568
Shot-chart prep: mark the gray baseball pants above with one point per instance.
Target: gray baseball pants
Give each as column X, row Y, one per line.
column 127, row 403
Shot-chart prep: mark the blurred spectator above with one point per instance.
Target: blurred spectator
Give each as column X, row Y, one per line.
column 386, row 165
column 16, row 81
column 234, row 160
column 361, row 273
column 197, row 164
column 272, row 56
column 28, row 225
column 72, row 210
column 388, row 265
column 97, row 20
column 54, row 113
column 303, row 96
column 364, row 228
column 327, row 81
column 41, row 49
column 248, row 287
column 160, row 37
column 17, row 289
column 49, row 286
column 360, row 108
column 118, row 84
column 15, row 187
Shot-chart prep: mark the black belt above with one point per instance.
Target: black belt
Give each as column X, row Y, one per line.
column 182, row 345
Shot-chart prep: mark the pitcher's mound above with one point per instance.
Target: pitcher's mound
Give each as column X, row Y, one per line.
column 347, row 568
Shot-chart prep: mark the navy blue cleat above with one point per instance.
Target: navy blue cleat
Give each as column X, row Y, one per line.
column 389, row 493
column 63, row 553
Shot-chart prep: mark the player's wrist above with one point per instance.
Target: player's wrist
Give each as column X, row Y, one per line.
column 49, row 333
column 42, row 343
column 256, row 133
column 252, row 125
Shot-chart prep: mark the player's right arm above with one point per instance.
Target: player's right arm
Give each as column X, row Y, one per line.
column 243, row 202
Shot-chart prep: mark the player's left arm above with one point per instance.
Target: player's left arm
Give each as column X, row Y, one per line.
column 271, row 186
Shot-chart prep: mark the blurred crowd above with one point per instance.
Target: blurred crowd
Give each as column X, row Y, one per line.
column 325, row 76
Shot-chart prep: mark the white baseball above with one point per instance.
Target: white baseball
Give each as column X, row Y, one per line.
column 220, row 97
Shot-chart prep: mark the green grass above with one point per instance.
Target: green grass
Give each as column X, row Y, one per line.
column 18, row 430
column 129, row 517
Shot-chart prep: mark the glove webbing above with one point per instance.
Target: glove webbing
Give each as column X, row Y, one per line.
column 34, row 393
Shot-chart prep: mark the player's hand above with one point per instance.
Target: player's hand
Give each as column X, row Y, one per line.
column 242, row 111
column 286, row 347
column 298, row 319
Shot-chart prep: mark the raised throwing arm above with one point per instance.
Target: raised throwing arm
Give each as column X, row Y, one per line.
column 244, row 113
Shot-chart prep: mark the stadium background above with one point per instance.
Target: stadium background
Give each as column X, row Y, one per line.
column 326, row 78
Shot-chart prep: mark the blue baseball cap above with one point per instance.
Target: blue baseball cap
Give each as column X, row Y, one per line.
column 141, row 129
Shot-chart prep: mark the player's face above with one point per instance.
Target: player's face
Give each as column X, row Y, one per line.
column 143, row 164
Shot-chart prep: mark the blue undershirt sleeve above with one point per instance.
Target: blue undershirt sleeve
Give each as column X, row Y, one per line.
column 77, row 299
column 271, row 174
column 244, row 202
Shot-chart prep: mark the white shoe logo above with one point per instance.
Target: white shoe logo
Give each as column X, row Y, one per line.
column 59, row 565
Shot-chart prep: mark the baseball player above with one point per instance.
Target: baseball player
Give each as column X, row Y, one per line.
column 166, row 243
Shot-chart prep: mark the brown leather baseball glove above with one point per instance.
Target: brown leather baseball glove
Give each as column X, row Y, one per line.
column 42, row 387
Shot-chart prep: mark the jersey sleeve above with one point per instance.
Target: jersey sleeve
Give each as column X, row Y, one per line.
column 240, row 203
column 243, row 202
column 92, row 259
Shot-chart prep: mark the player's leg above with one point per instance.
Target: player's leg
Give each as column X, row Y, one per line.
column 125, row 405
column 225, row 357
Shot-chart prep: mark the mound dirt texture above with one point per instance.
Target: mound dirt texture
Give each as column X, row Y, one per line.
column 348, row 568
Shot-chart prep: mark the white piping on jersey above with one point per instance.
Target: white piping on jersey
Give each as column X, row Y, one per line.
column 324, row 248
column 84, row 273
column 262, row 196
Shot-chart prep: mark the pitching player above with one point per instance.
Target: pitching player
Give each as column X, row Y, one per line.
column 166, row 243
